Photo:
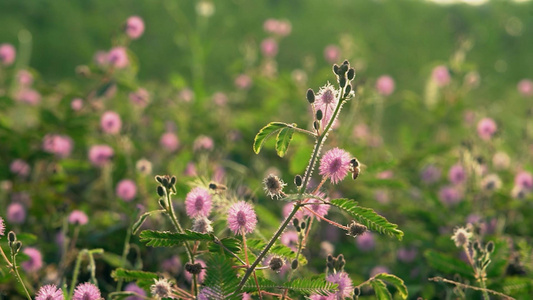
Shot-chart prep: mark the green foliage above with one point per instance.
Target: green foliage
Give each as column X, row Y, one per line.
column 131, row 275
column 170, row 239
column 380, row 288
column 121, row 295
column 368, row 217
column 283, row 139
column 277, row 249
column 447, row 264
column 396, row 282
column 232, row 244
column 302, row 286
column 221, row 278
column 140, row 221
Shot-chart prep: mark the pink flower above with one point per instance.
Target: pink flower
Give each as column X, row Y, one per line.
column 100, row 58
column 7, row 54
column 141, row 97
column 203, row 142
column 20, row 167
column 49, row 292
column 134, row 27
column 241, row 218
column 60, row 145
column 326, row 100
column 86, row 291
column 76, row 104
column 35, row 263
column 186, row 95
column 198, row 203
column 289, row 207
column 24, row 78
column 450, row 195
column 361, row 131
column 318, row 207
column 486, row 128
column 457, row 174
column 169, row 141
column 332, row 53
column 345, row 285
column 290, row 239
column 524, row 180
column 335, row 165
column 190, row 169
column 366, row 242
column 269, row 47
column 126, row 190
column 284, row 28
column 110, row 122
column 16, row 213
column 525, row 87
column 28, row 96
column 118, row 57
column 78, row 217
column 385, row 85
column 220, row 99
column 378, row 270
column 132, row 287
column 100, row 155
column 270, row 25
column 321, row 297
column 430, row 174
column 441, row 75
column 243, row 82
column 172, row 265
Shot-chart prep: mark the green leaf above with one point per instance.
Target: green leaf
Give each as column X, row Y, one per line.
column 137, row 225
column 283, row 140
column 131, row 275
column 368, row 217
column 396, row 282
column 277, row 249
column 170, row 239
column 309, row 286
column 221, row 278
column 121, row 295
column 115, row 260
column 380, row 288
column 447, row 264
column 516, row 286
column 264, row 284
column 265, row 132
column 232, row 244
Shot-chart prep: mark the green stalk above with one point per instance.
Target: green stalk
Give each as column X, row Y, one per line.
column 125, row 252
column 17, row 274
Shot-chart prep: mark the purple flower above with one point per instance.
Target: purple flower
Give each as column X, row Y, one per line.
column 35, row 263
column 326, row 100
column 407, row 255
column 7, row 54
column 524, row 180
column 486, row 128
column 100, row 58
column 290, row 239
column 289, row 207
column 141, row 97
column 169, row 141
column 78, row 217
column 385, row 85
column 100, row 155
column 441, row 75
column 60, row 145
column 16, row 213
column 450, row 195
column 203, row 142
column 86, row 291
column 118, row 57
column 345, row 285
column 366, row 242
column 335, row 164
column 126, row 190
column 49, row 292
column 20, row 167
column 172, row 265
column 269, row 47
column 332, row 53
column 457, row 174
column 243, row 82
column 378, row 270
column 132, row 287
column 110, row 122
column 190, row 169
column 430, row 174
column 28, row 96
column 241, row 218
column 76, row 104
column 525, row 87
column 134, row 27
column 2, row 227
column 198, row 203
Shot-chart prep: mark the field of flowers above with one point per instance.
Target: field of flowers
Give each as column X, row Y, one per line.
column 266, row 150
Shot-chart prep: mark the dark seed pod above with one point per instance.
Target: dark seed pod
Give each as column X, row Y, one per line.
column 160, row 191
column 356, row 292
column 159, row 179
column 336, row 69
column 295, row 222
column 489, row 248
column 162, row 203
column 294, row 264
column 346, row 62
column 310, row 96
column 343, row 69
column 351, row 74
column 11, row 237
column 316, row 125
column 319, row 114
column 16, row 246
column 342, row 81
column 276, row 263
column 173, row 180
column 165, row 182
column 298, row 180
column 193, row 268
column 348, row 90
column 330, row 258
column 302, row 225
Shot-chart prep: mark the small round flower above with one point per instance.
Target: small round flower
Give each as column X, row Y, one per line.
column 269, row 47
column 76, row 104
column 86, row 291
column 290, row 239
column 525, row 87
column 345, row 285
column 273, row 186
column 326, row 100
column 322, row 297
column 20, row 167
column 141, row 97
column 100, row 155
column 441, row 75
column 78, row 217
column 205, row 8
column 457, row 174
column 385, row 85
column 132, row 287
column 186, row 95
column 486, row 128
column 35, row 263
column 190, row 170
column 198, row 202
column 7, row 54
column 243, row 82
column 491, row 182
column 202, row 225
column 366, row 242
column 49, row 292
column 118, row 57
column 335, row 164
column 356, row 229
column 100, row 58
column 161, row 288
column 134, row 27
column 501, row 160
column 461, row 236
column 28, row 96
column 450, row 195
column 201, row 276
column 332, row 53
column 24, row 78
column 203, row 142
column 276, row 263
column 284, row 28
column 126, row 190
column 16, row 213
column 270, row 25
column 110, row 122
column 317, row 206
column 169, row 141
column 287, row 208
column 524, row 180
column 241, row 218
column 2, row 227
column 220, row 99
column 60, row 145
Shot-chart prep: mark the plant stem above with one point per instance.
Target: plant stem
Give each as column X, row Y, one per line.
column 9, row 265
column 15, row 270
column 76, row 272
column 125, row 252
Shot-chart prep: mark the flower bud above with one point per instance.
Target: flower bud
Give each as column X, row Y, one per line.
column 194, row 269
column 159, row 179
column 319, row 114
column 302, row 225
column 316, row 125
column 295, row 222
column 160, row 191
column 330, row 258
column 298, row 180
column 336, row 69
column 294, row 264
column 11, row 237
column 343, row 69
column 165, row 182
column 173, row 180
column 276, row 263
column 342, row 81
column 348, row 90
column 356, row 292
column 310, row 96
column 162, row 203
column 355, row 229
column 351, row 74
column 489, row 248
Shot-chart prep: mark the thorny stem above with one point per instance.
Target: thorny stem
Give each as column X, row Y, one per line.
column 248, row 262
column 327, row 220
column 484, row 287
column 15, row 270
column 300, row 244
column 76, row 272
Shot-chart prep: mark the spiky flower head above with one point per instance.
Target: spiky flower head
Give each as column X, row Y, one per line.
column 198, row 202
column 49, row 292
column 345, row 285
column 335, row 164
column 241, row 218
column 276, row 263
column 491, row 182
column 326, row 100
column 35, row 263
column 202, row 225
column 78, row 217
column 86, row 291
column 355, row 229
column 161, row 288
column 273, row 186
column 461, row 236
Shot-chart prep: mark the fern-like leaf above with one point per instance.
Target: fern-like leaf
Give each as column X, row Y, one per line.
column 170, row 239
column 309, row 286
column 277, row 249
column 131, row 275
column 221, row 278
column 447, row 264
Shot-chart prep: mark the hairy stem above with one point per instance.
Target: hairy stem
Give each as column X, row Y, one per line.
column 125, row 252
column 15, row 270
